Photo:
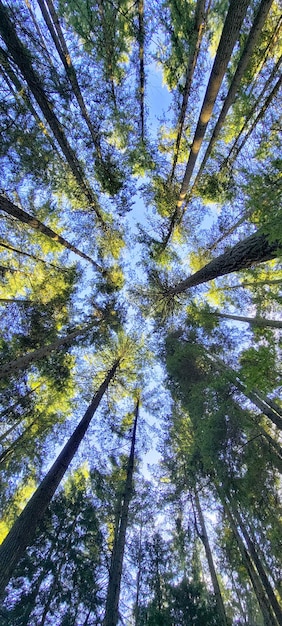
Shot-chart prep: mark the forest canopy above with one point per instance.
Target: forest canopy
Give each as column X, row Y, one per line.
column 140, row 299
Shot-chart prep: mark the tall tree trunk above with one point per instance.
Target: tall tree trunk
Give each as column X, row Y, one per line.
column 64, row 54
column 141, row 42
column 263, row 403
column 22, row 59
column 259, row 566
column 250, row 44
column 22, row 532
column 231, row 29
column 8, row 246
column 265, row 606
column 113, row 591
column 205, row 540
column 23, row 361
column 195, row 45
column 24, row 217
column 253, row 321
column 237, row 146
column 254, row 249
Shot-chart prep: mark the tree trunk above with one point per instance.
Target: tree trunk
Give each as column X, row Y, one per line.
column 263, row 403
column 253, row 321
column 141, row 41
column 62, row 49
column 195, row 48
column 24, row 217
column 269, row 618
column 236, row 148
column 235, row 83
column 113, row 591
column 8, row 246
column 230, row 33
column 22, row 59
column 23, row 361
column 22, row 532
column 259, row 566
column 205, row 540
column 254, row 249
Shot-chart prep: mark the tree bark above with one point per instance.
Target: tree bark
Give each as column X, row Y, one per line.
column 22, row 532
column 231, row 29
column 63, row 51
column 205, row 540
column 250, row 44
column 22, row 59
column 195, row 48
column 113, row 591
column 269, row 618
column 253, row 321
column 23, row 361
column 24, row 217
column 254, row 249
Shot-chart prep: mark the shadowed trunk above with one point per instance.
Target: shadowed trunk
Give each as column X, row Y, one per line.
column 113, row 592
column 253, row 321
column 24, row 217
column 23, row 361
column 22, row 532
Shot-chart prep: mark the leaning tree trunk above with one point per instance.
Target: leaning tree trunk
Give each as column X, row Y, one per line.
column 141, row 43
column 263, row 403
column 113, row 592
column 23, row 530
column 231, row 29
column 241, row 68
column 24, row 217
column 205, row 540
column 195, row 45
column 264, row 604
column 23, row 361
column 64, row 54
column 260, row 568
column 261, row 322
column 254, row 249
column 22, row 59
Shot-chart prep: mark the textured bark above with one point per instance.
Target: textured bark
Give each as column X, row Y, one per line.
column 250, row 44
column 23, row 361
column 22, row 59
column 195, row 48
column 113, row 591
column 231, row 29
column 21, row 215
column 253, row 321
column 254, row 249
column 22, row 532
column 205, row 540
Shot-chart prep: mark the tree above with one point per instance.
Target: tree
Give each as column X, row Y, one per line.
column 23, row 530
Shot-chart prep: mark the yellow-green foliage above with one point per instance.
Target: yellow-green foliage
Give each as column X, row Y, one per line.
column 16, row 505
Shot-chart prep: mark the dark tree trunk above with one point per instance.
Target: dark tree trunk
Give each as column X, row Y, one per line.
column 36, row 355
column 113, row 592
column 254, row 249
column 231, row 29
column 241, row 68
column 22, row 532
column 205, row 540
column 22, row 59
column 24, row 217
column 253, row 321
